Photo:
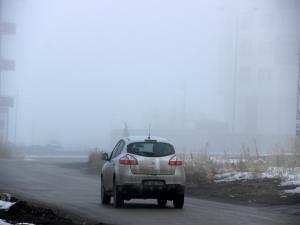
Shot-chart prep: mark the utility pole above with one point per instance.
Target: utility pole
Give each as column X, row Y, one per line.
column 298, row 99
column 235, row 71
column 2, row 110
column 6, row 102
column 184, row 106
column 1, row 5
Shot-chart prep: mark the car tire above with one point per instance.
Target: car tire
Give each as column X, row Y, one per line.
column 178, row 201
column 118, row 199
column 105, row 198
column 161, row 202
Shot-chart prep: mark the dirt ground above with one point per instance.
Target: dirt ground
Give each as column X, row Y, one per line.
column 255, row 191
column 24, row 212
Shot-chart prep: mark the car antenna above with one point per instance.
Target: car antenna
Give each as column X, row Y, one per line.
column 149, row 134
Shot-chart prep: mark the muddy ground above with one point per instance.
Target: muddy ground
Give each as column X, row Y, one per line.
column 256, row 191
column 24, row 212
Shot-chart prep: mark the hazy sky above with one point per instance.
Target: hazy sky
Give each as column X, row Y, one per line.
column 86, row 67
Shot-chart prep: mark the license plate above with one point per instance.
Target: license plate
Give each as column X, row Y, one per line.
column 153, row 183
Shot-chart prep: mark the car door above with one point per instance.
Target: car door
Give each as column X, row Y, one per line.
column 108, row 167
column 113, row 161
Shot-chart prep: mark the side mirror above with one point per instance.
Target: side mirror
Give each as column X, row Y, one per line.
column 105, row 156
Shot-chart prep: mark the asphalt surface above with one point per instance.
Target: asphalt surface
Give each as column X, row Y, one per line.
column 72, row 190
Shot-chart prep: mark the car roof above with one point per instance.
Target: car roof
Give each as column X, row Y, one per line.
column 131, row 139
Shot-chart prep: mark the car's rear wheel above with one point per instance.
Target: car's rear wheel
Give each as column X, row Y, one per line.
column 161, row 202
column 105, row 198
column 178, row 201
column 118, row 199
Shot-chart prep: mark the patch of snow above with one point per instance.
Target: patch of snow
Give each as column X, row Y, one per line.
column 233, row 176
column 280, row 172
column 225, row 161
column 4, row 205
column 3, row 222
column 293, row 191
column 295, row 181
column 24, row 224
column 289, row 176
column 5, row 196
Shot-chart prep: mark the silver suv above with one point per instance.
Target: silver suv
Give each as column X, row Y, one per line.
column 143, row 167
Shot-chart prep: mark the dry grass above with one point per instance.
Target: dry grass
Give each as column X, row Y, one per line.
column 201, row 167
column 286, row 156
column 6, row 151
column 95, row 159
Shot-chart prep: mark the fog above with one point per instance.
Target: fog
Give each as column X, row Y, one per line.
column 203, row 73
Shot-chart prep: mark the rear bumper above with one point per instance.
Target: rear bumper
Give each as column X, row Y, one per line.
column 125, row 176
column 167, row 191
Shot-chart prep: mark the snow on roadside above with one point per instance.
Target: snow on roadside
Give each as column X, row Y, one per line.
column 24, row 224
column 293, row 191
column 2, row 222
column 289, row 176
column 233, row 176
column 281, row 172
column 4, row 205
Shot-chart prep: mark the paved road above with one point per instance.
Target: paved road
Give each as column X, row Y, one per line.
column 73, row 190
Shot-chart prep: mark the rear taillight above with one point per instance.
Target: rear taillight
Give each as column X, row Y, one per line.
column 175, row 162
column 128, row 160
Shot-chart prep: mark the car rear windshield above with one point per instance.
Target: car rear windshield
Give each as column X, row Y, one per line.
column 153, row 149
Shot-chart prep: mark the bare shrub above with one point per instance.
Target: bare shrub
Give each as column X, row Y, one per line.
column 294, row 159
column 6, row 151
column 199, row 168
column 287, row 156
column 95, row 159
